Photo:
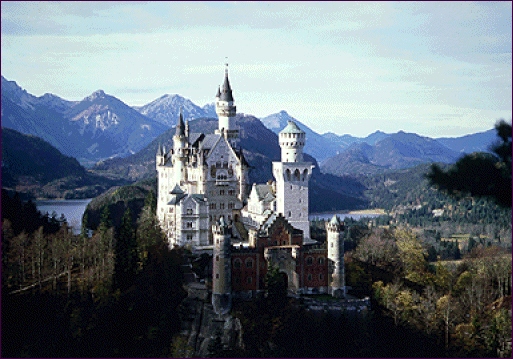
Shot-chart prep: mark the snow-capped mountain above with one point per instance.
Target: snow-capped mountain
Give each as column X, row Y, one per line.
column 98, row 127
column 166, row 108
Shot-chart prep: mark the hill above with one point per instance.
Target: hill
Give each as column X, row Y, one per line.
column 395, row 151
column 33, row 167
column 261, row 148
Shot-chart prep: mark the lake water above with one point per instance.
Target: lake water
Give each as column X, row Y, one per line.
column 72, row 209
column 341, row 216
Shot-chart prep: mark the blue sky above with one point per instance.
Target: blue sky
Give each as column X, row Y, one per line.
column 434, row 68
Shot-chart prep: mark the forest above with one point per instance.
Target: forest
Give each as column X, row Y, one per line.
column 115, row 293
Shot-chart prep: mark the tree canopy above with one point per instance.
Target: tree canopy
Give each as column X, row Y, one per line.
column 480, row 174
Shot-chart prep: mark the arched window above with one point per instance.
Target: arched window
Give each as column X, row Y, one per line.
column 309, row 261
column 249, row 263
column 237, row 263
column 320, row 261
column 287, row 174
column 297, row 176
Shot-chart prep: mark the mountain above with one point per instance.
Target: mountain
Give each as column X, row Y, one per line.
column 98, row 127
column 477, row 142
column 261, row 148
column 32, row 166
column 165, row 109
column 316, row 144
column 394, row 151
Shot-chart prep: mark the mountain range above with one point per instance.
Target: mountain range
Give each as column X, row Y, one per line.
column 100, row 127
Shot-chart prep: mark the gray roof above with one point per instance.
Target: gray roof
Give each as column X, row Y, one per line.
column 180, row 127
column 264, row 192
column 176, row 199
column 291, row 128
column 209, row 141
column 226, row 90
column 194, row 137
column 218, row 94
column 177, row 190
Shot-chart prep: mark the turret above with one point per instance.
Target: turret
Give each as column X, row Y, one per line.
column 221, row 273
column 292, row 141
column 160, row 156
column 226, row 111
column 336, row 285
column 292, row 178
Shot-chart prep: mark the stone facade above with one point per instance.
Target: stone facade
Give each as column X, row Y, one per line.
column 207, row 169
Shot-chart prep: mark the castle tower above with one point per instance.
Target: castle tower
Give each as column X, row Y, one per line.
column 226, row 111
column 292, row 175
column 221, row 268
column 179, row 155
column 336, row 285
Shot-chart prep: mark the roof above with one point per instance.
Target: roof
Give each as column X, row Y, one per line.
column 209, row 141
column 195, row 137
column 177, row 190
column 176, row 199
column 180, row 127
column 335, row 220
column 291, row 128
column 226, row 90
column 264, row 192
column 218, row 94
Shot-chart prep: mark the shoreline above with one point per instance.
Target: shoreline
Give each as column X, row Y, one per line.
column 374, row 211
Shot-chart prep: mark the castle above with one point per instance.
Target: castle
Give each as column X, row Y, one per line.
column 202, row 202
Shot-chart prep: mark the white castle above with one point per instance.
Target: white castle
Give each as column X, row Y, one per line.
column 203, row 179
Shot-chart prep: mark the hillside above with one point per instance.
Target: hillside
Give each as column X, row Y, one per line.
column 98, row 127
column 32, row 166
column 261, row 148
column 395, row 151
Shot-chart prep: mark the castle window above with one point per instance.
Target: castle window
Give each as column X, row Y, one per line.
column 189, row 211
column 217, row 258
column 231, row 192
column 217, row 275
column 290, row 214
column 237, row 263
column 231, row 205
column 221, row 192
column 321, row 277
column 249, row 263
column 221, row 206
column 309, row 261
column 309, row 277
column 189, row 224
column 320, row 261
column 189, row 237
column 249, row 280
column 331, row 244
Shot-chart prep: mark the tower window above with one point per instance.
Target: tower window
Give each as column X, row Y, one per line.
column 290, row 214
column 309, row 261
column 309, row 277
column 237, row 263
column 249, row 280
column 249, row 263
column 189, row 211
column 321, row 261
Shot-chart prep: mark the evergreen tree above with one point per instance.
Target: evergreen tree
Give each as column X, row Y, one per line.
column 126, row 252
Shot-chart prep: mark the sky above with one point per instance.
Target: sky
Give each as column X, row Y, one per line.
column 439, row 69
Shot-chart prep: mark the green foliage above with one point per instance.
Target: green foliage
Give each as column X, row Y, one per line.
column 480, row 174
column 126, row 253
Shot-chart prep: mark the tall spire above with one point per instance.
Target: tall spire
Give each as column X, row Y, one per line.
column 180, row 127
column 226, row 90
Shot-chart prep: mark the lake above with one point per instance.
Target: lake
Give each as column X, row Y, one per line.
column 73, row 210
column 341, row 216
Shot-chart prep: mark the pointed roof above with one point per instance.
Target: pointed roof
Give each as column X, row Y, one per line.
column 218, row 94
column 291, row 128
column 177, row 190
column 226, row 90
column 335, row 220
column 180, row 127
column 160, row 151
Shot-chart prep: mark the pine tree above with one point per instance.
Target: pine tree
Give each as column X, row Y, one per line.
column 126, row 252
